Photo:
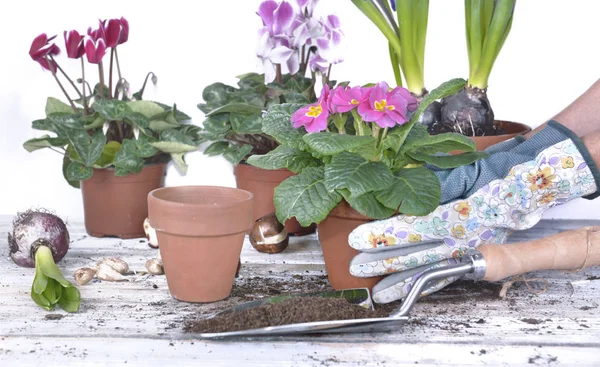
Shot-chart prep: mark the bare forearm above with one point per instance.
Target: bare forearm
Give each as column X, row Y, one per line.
column 592, row 143
column 582, row 116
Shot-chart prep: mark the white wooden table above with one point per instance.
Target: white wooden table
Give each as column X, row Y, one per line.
column 138, row 323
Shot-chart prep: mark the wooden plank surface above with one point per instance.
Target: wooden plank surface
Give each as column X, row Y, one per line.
column 138, row 322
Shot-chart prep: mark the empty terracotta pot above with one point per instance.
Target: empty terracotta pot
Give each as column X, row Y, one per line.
column 333, row 235
column 262, row 183
column 117, row 205
column 201, row 231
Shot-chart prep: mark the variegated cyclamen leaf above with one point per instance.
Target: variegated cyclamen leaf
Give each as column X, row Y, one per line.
column 353, row 172
column 216, row 148
column 45, row 141
column 246, row 124
column 89, row 148
column 147, row 109
column 305, row 197
column 78, row 172
column 180, row 163
column 174, row 141
column 235, row 154
column 112, row 109
column 277, row 123
column 144, row 146
column 54, row 105
column 108, row 154
column 128, row 159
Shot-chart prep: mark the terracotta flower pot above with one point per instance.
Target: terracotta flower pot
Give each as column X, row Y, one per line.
column 262, row 184
column 117, row 205
column 333, row 235
column 201, row 231
column 512, row 129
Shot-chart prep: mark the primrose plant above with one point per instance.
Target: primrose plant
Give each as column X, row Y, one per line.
column 295, row 48
column 361, row 145
column 107, row 127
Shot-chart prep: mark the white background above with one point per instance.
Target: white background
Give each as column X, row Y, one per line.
column 551, row 57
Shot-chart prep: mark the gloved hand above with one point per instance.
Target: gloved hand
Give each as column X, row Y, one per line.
column 508, row 191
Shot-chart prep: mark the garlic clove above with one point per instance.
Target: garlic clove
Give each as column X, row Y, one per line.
column 116, row 264
column 106, row 272
column 84, row 275
column 150, row 234
column 155, row 266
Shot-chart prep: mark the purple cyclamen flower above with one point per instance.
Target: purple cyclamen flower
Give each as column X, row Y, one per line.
column 387, row 108
column 329, row 44
column 313, row 117
column 342, row 99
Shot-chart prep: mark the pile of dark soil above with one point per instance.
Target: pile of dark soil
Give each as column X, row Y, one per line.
column 290, row 311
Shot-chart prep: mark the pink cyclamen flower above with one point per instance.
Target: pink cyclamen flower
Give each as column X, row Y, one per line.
column 342, row 99
column 41, row 48
column 74, row 44
column 124, row 30
column 387, row 108
column 314, row 116
column 95, row 50
column 112, row 32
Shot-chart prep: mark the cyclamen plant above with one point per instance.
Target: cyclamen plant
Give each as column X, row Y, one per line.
column 293, row 41
column 107, row 126
column 362, row 145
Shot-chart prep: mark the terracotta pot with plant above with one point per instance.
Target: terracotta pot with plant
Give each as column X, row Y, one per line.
column 468, row 111
column 115, row 144
column 292, row 43
column 361, row 156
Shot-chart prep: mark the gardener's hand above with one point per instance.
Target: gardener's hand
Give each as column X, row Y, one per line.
column 501, row 198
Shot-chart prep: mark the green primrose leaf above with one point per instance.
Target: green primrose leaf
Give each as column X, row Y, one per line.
column 216, row 148
column 419, row 139
column 443, row 90
column 414, row 191
column 448, row 161
column 78, row 172
column 284, row 157
column 396, row 137
column 332, row 143
column 246, row 124
column 277, row 123
column 305, row 197
column 54, row 105
column 45, row 141
column 112, row 109
column 367, row 205
column 235, row 154
column 353, row 172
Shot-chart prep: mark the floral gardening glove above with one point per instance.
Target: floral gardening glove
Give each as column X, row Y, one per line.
column 498, row 197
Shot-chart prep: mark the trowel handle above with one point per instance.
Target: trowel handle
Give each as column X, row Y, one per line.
column 569, row 250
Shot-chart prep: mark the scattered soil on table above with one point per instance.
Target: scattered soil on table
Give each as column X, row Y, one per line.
column 290, row 311
column 252, row 288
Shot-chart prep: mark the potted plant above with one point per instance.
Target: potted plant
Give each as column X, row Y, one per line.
column 296, row 50
column 115, row 144
column 468, row 111
column 359, row 155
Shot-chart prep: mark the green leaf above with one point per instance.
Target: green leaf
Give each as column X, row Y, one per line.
column 139, row 120
column 144, row 146
column 236, row 153
column 54, row 105
column 294, row 97
column 217, row 94
column 70, row 299
column 305, row 197
column 45, row 141
column 161, row 125
column 127, row 159
column 173, row 141
column 236, row 107
column 284, row 157
column 216, row 148
column 65, row 165
column 112, row 109
column 40, row 300
column 277, row 123
column 396, row 137
column 419, row 139
column 414, row 191
column 443, row 90
column 217, row 123
column 89, row 148
column 448, row 161
column 108, row 154
column 179, row 161
column 367, row 205
column 251, row 81
column 94, row 121
column 246, row 124
column 78, row 172
column 43, row 124
column 332, row 143
column 146, row 108
column 178, row 115
column 353, row 172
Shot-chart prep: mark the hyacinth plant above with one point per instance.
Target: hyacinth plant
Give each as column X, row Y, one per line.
column 361, row 145
column 295, row 47
column 107, row 126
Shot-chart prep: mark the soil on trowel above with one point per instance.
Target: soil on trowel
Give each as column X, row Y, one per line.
column 290, row 311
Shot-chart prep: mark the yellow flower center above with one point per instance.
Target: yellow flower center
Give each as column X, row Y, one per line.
column 314, row 111
column 382, row 106
column 354, row 101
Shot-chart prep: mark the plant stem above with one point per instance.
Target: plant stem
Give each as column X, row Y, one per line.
column 358, row 122
column 302, row 69
column 117, row 60
column 409, row 60
column 85, row 104
column 395, row 66
column 53, row 71
column 101, row 72
column 278, row 75
column 67, row 77
column 110, row 72
column 328, row 74
column 383, row 134
column 375, row 131
column 120, row 128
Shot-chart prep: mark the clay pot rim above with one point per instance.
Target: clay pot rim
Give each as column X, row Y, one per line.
column 248, row 196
